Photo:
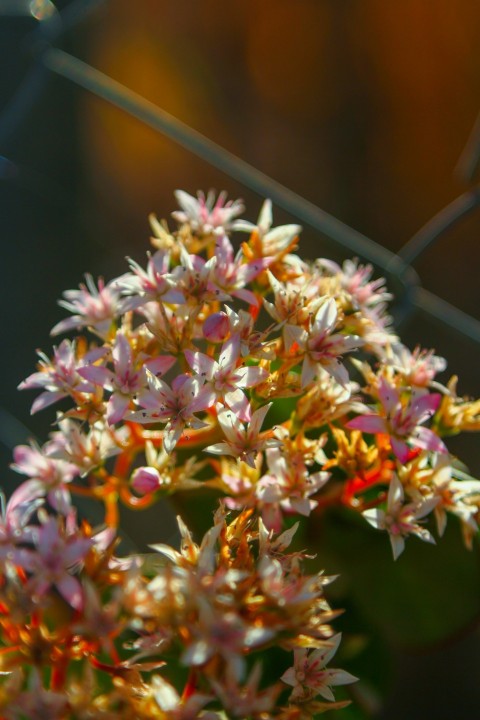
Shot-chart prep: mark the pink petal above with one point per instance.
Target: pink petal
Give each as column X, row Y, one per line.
column 395, row 493
column 66, row 325
column 250, row 376
column 171, row 436
column 326, row 317
column 97, row 375
column 230, row 352
column 398, row 545
column 238, row 402
column 46, row 399
column 309, row 371
column 400, row 448
column 76, row 550
column 122, row 355
column 70, row 589
column 245, row 295
column 248, row 271
column 428, row 440
column 26, row 493
column 303, row 506
column 375, row 518
column 27, row 460
column 272, row 517
column 231, row 426
column 338, row 371
column 117, row 407
column 371, row 424
column 389, row 396
column 424, row 406
column 60, row 499
column 219, row 449
column 201, row 364
column 204, row 399
column 161, row 364
column 289, row 677
column 37, row 379
column 292, row 334
column 257, row 420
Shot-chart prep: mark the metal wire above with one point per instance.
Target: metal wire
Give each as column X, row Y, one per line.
column 414, row 296
column 469, row 160
column 449, row 216
column 117, row 94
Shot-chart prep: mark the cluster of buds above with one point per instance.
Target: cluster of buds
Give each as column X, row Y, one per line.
column 277, row 384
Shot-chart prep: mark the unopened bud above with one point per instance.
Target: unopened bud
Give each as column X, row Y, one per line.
column 216, row 327
column 145, row 480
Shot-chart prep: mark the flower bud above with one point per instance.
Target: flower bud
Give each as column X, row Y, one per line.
column 145, row 480
column 216, row 327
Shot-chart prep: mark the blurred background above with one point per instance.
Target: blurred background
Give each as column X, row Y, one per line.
column 362, row 107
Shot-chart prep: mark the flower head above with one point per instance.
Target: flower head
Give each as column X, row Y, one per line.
column 92, row 307
column 403, row 422
column 205, row 214
column 244, row 443
column 176, row 406
column 310, row 677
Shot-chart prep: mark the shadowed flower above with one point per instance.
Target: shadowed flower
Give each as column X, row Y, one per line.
column 49, row 476
column 309, row 676
column 168, row 700
column 85, row 450
column 36, row 703
column 154, row 283
column 91, row 307
column 400, row 519
column 288, row 487
column 246, row 699
column 56, row 556
column 417, row 368
column 59, row 377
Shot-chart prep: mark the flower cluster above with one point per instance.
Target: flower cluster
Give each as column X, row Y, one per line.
column 276, row 383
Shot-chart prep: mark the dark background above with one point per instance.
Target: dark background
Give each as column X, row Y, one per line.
column 361, row 106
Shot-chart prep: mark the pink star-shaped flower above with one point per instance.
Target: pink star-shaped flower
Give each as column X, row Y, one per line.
column 402, row 421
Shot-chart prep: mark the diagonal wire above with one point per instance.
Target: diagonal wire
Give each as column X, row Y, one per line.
column 446, row 313
column 469, row 160
column 449, row 216
column 147, row 112
column 130, row 102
